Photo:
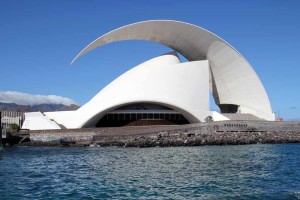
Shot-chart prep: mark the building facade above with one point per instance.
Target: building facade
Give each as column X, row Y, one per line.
column 9, row 118
column 164, row 90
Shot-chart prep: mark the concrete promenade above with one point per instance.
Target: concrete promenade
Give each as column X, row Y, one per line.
column 214, row 133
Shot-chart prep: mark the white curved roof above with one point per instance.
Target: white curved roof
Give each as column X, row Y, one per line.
column 149, row 82
column 234, row 80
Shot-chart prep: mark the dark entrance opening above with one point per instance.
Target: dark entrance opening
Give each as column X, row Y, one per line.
column 141, row 115
column 228, row 108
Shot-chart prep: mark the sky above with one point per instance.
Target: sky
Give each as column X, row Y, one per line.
column 39, row 39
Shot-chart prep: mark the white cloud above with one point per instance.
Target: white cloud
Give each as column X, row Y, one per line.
column 29, row 99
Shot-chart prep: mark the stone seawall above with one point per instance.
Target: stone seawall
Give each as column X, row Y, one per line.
column 215, row 133
column 166, row 139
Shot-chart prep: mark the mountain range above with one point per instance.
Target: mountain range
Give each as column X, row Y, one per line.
column 32, row 108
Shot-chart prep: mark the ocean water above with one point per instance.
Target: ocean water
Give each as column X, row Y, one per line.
column 208, row 172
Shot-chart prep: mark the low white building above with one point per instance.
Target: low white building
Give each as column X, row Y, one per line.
column 8, row 118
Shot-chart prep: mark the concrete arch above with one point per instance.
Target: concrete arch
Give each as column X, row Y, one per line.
column 234, row 80
column 93, row 119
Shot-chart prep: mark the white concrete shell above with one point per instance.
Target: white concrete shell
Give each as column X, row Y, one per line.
column 165, row 81
column 233, row 80
column 185, row 89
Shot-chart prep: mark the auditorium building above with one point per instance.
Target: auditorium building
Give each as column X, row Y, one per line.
column 164, row 90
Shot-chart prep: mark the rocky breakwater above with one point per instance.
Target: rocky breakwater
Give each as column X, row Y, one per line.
column 215, row 133
column 169, row 139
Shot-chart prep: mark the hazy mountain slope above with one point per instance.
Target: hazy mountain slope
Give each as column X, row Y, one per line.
column 41, row 107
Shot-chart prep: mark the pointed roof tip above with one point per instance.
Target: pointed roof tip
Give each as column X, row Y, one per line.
column 73, row 61
column 173, row 53
column 82, row 52
column 76, row 57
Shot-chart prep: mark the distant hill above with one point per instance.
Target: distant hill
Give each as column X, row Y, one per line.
column 40, row 107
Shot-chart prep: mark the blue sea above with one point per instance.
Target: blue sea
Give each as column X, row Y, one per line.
column 207, row 172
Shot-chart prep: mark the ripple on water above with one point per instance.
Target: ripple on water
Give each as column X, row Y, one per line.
column 210, row 172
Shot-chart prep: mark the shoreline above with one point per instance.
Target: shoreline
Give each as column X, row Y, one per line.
column 215, row 133
column 175, row 140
